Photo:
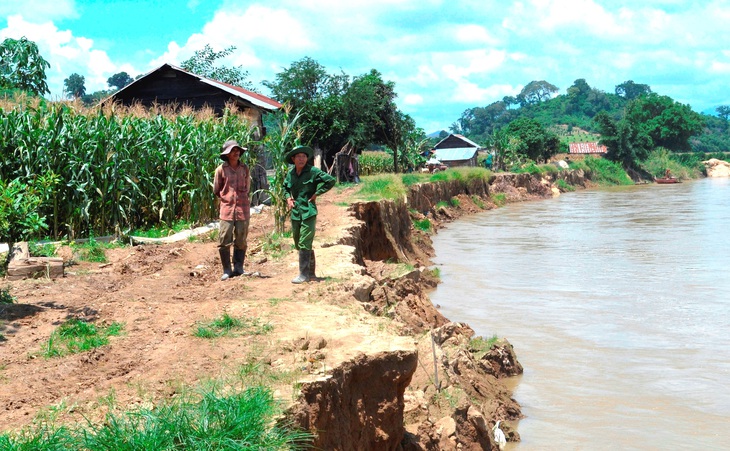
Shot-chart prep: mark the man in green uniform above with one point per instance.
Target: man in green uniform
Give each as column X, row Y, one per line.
column 302, row 185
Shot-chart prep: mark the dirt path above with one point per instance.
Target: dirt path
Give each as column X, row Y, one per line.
column 161, row 294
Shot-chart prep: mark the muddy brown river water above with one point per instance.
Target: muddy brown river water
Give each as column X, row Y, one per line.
column 617, row 302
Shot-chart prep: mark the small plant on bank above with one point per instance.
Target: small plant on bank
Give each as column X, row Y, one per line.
column 480, row 345
column 424, row 225
column 411, row 179
column 455, row 202
column 441, row 204
column 499, row 199
column 227, row 325
column 564, row 186
column 76, row 335
column 478, row 202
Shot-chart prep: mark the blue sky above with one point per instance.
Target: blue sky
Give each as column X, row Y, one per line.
column 444, row 56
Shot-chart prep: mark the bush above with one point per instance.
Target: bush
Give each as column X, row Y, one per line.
column 607, row 172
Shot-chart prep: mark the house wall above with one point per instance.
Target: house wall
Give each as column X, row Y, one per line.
column 471, row 162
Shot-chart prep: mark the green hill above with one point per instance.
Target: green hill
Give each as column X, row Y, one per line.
column 571, row 115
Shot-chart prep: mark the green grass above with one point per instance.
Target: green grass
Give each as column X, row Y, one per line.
column 659, row 160
column 76, row 335
column 605, row 172
column 480, row 345
column 478, row 201
column 564, row 186
column 5, row 296
column 227, row 325
column 215, row 418
column 423, row 225
column 41, row 250
column 455, row 202
column 92, row 250
column 276, row 244
column 163, row 230
column 379, row 187
column 499, row 199
column 441, row 204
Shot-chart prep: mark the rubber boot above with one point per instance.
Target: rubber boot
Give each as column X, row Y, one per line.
column 225, row 253
column 312, row 266
column 303, row 276
column 239, row 256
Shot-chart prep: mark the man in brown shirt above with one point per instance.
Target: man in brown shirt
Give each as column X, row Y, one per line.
column 231, row 185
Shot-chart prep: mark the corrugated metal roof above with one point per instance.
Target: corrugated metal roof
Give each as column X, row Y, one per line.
column 460, row 137
column 455, row 154
column 587, row 148
column 249, row 96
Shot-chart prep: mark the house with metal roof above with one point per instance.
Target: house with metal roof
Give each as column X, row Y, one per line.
column 456, row 150
column 170, row 84
column 587, row 148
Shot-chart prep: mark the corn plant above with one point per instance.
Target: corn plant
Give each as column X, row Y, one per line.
column 116, row 169
column 283, row 138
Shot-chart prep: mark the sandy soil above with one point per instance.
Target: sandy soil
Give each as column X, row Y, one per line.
column 161, row 294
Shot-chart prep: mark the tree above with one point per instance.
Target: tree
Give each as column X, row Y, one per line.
column 308, row 89
column 533, row 140
column 630, row 90
column 119, row 80
column 536, row 92
column 670, row 124
column 723, row 111
column 626, row 142
column 202, row 63
column 74, row 86
column 22, row 66
column 337, row 110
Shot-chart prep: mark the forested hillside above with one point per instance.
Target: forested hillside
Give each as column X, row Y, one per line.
column 572, row 116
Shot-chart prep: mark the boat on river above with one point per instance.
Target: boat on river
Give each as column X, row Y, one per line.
column 666, row 180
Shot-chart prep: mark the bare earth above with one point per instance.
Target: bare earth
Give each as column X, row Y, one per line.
column 162, row 293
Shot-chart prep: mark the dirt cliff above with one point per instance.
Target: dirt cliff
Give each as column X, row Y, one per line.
column 370, row 362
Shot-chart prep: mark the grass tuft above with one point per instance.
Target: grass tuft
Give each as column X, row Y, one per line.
column 214, row 419
column 227, row 325
column 76, row 335
column 480, row 345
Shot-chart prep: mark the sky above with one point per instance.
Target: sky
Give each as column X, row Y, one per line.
column 443, row 56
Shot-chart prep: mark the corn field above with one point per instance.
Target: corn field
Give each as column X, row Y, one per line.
column 374, row 162
column 116, row 170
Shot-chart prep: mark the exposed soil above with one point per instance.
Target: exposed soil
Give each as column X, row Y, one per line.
column 162, row 293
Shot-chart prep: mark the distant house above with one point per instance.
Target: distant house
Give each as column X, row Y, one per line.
column 587, row 148
column 169, row 84
column 457, row 150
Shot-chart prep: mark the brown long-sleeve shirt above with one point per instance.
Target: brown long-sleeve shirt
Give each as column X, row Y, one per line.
column 232, row 187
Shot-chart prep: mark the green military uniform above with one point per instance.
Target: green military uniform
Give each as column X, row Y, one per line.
column 301, row 187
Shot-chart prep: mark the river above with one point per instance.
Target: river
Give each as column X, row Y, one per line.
column 617, row 302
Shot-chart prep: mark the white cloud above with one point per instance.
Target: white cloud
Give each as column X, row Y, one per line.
column 251, row 31
column 474, row 34
column 413, row 99
column 66, row 54
column 39, row 10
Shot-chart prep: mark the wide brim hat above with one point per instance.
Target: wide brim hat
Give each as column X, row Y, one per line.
column 299, row 149
column 228, row 147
